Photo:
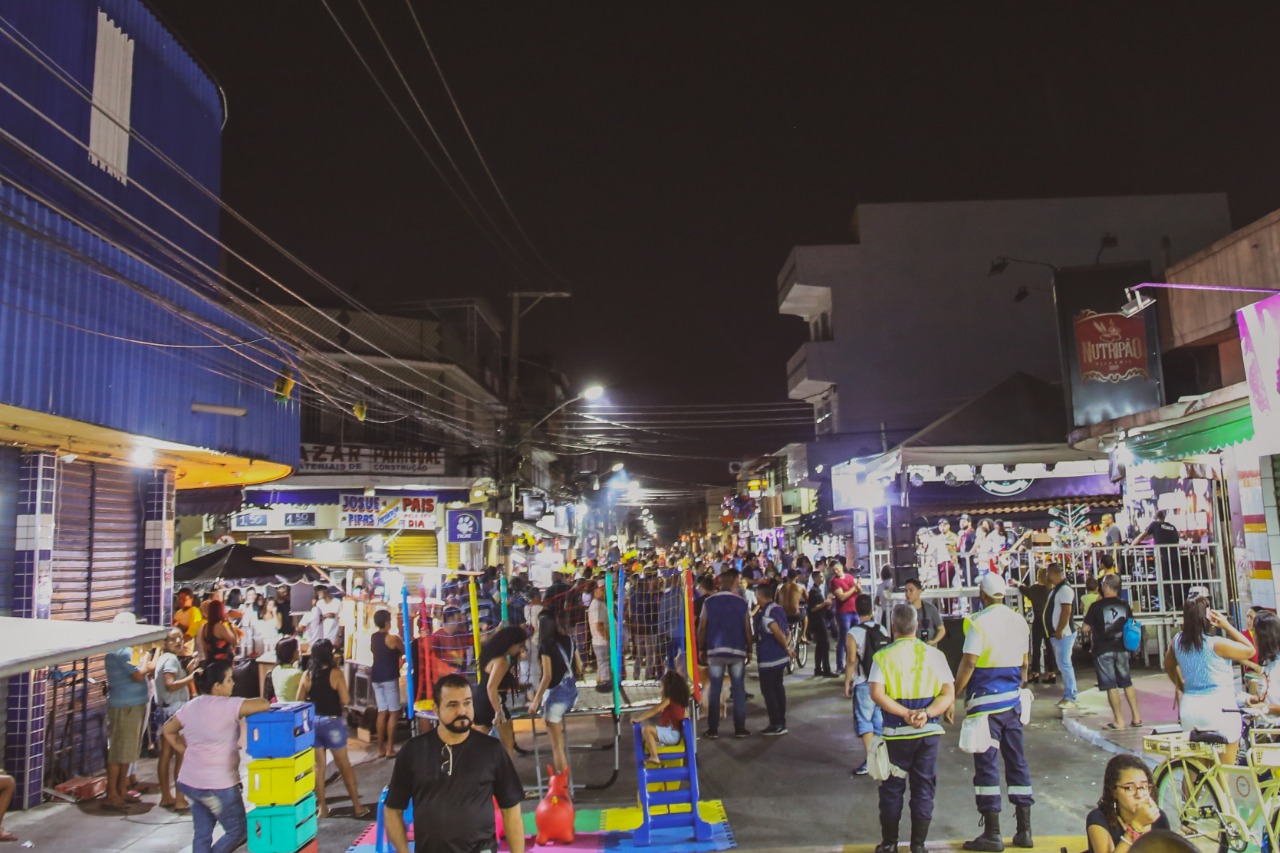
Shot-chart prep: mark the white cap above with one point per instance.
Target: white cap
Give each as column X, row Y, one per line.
column 125, row 617
column 993, row 586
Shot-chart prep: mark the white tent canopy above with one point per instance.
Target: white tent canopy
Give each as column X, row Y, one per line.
column 37, row 643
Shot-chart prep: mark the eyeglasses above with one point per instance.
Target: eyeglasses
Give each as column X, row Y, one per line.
column 1135, row 788
column 446, row 767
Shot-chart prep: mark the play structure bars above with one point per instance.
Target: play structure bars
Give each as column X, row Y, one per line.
column 691, row 638
column 615, row 636
column 475, row 621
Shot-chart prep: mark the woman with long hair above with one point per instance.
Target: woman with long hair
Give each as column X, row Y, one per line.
column 1127, row 809
column 499, row 657
column 205, row 733
column 1199, row 665
column 561, row 668
column 324, row 686
column 1266, row 633
column 217, row 638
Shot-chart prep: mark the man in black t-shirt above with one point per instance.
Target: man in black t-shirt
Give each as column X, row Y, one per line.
column 1169, row 564
column 452, row 779
column 1105, row 620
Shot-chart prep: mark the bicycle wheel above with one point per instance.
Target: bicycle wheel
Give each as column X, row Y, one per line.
column 802, row 651
column 1175, row 783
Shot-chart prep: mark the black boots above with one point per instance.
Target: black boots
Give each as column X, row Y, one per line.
column 1022, row 838
column 919, row 833
column 989, row 841
column 888, row 836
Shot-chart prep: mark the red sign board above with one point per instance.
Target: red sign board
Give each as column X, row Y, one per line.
column 1111, row 347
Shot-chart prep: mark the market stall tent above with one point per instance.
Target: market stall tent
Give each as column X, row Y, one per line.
column 30, row 644
column 242, row 563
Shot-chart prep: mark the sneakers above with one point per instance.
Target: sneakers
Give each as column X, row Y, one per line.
column 604, row 687
column 860, row 770
column 741, row 733
column 710, row 734
column 774, row 731
column 1065, row 704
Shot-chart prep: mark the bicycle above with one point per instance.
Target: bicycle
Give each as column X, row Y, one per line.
column 796, row 643
column 1226, row 803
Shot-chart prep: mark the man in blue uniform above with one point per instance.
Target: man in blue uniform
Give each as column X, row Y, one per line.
column 991, row 675
column 913, row 686
column 724, row 642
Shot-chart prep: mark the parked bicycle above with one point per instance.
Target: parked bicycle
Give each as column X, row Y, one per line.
column 797, row 643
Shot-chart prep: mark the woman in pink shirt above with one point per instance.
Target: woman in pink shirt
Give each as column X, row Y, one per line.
column 206, row 734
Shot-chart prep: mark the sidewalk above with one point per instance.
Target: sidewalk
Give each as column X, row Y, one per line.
column 1089, row 719
column 147, row 828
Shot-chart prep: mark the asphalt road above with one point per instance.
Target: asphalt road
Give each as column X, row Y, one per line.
column 795, row 791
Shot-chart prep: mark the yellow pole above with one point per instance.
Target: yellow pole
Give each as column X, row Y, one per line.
column 475, row 619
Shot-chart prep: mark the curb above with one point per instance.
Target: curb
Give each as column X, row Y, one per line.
column 1092, row 736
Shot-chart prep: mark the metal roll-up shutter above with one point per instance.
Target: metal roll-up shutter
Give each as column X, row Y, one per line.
column 453, row 555
column 96, row 554
column 415, row 548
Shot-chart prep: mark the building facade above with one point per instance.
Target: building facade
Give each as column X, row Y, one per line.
column 123, row 379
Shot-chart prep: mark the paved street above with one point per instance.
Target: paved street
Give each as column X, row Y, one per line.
column 792, row 792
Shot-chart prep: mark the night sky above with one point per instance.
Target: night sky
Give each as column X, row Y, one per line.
column 664, row 159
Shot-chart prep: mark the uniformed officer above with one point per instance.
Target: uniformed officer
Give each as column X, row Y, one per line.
column 991, row 675
column 913, row 685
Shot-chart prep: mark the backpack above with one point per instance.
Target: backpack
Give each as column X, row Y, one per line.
column 1132, row 635
column 874, row 642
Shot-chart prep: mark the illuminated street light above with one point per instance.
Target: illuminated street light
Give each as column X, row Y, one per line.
column 618, row 466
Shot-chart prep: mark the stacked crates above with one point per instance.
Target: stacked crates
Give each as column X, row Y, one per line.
column 282, row 779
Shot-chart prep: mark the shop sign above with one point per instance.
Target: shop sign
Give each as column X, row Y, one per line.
column 465, row 525
column 383, row 512
column 1005, row 488
column 1111, row 347
column 249, row 521
column 1260, row 343
column 299, row 519
column 364, row 459
column 1111, row 363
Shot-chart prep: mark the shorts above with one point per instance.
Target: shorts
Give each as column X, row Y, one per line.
column 1206, row 712
column 124, row 733
column 331, row 733
column 1113, row 670
column 386, row 694
column 668, row 736
column 867, row 716
column 559, row 700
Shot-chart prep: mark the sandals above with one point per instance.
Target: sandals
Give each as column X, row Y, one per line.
column 1113, row 727
column 6, row 835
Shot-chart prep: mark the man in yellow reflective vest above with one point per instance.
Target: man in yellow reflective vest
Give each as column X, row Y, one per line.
column 913, row 685
column 991, row 675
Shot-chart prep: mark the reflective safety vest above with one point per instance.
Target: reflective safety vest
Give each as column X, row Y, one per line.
column 1002, row 636
column 912, row 682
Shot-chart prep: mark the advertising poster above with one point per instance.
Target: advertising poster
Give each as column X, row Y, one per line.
column 1260, row 343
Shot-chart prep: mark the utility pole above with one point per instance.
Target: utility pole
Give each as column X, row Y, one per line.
column 509, row 447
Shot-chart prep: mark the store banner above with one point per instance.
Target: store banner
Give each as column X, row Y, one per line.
column 1260, row 343
column 363, row 459
column 382, row 512
column 1111, row 362
column 465, row 525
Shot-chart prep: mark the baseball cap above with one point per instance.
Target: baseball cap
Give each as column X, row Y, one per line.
column 1197, row 592
column 993, row 585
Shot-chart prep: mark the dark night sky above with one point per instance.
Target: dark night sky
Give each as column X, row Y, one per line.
column 666, row 159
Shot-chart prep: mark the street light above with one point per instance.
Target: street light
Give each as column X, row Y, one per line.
column 591, row 392
column 618, row 466
column 1139, row 302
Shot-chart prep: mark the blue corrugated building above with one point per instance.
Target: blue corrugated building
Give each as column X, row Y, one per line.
column 123, row 374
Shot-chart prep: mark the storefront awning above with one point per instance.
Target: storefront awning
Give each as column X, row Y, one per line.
column 1207, row 434
column 37, row 643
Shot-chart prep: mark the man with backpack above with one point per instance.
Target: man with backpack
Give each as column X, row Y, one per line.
column 864, row 640
column 992, row 672
column 1105, row 621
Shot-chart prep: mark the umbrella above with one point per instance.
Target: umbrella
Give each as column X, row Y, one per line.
column 239, row 562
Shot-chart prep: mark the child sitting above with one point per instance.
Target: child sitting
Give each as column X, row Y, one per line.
column 670, row 712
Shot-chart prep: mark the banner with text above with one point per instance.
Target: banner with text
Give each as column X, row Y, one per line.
column 362, row 459
column 1260, row 343
column 382, row 512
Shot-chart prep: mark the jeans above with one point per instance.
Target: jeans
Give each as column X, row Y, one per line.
column 1062, row 653
column 604, row 671
column 1039, row 641
column 775, row 694
column 867, row 716
column 845, row 622
column 216, row 806
column 738, row 680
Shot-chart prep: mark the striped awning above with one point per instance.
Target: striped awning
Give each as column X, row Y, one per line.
column 1207, row 434
column 994, row 510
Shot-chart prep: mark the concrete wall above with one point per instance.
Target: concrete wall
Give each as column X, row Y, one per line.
column 920, row 325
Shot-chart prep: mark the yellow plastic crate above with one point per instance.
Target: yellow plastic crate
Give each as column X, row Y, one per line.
column 1176, row 745
column 282, row 781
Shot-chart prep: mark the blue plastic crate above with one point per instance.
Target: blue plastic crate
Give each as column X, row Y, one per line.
column 282, row 829
column 282, row 732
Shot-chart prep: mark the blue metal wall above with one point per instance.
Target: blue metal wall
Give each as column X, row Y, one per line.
column 175, row 106
column 67, row 297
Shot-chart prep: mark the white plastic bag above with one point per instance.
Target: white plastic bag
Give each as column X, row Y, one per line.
column 975, row 734
column 1025, row 698
column 879, row 767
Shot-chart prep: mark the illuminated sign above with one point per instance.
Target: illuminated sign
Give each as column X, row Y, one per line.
column 1005, row 488
column 1111, row 347
column 1260, row 345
